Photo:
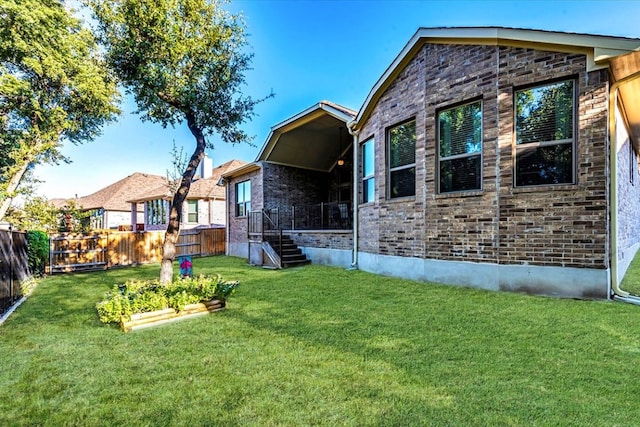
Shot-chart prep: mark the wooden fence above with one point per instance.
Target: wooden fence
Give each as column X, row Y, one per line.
column 14, row 267
column 74, row 252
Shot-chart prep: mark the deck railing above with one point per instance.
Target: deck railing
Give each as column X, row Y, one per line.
column 320, row 216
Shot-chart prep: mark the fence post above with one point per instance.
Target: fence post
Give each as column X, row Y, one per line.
column 11, row 258
column 50, row 255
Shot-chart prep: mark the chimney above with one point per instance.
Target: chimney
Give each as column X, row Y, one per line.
column 206, row 167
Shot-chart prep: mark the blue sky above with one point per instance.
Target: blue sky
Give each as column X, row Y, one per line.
column 308, row 51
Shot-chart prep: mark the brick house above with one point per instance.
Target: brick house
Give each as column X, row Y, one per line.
column 109, row 207
column 301, row 181
column 203, row 207
column 498, row 158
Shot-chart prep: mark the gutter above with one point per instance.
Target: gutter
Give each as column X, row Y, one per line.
column 356, row 146
column 613, row 182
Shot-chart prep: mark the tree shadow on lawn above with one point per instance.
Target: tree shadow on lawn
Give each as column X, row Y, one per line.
column 460, row 343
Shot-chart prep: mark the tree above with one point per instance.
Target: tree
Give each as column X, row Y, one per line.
column 53, row 88
column 36, row 214
column 183, row 61
column 73, row 218
column 179, row 163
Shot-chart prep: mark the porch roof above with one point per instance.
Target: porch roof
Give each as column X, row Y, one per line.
column 312, row 139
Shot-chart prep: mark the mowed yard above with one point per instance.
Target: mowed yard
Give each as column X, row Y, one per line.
column 321, row 346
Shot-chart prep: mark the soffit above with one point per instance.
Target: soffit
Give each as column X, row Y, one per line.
column 313, row 139
column 626, row 67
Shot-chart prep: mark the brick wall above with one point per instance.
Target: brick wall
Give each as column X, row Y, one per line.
column 238, row 225
column 628, row 181
column 323, row 239
column 286, row 186
column 558, row 226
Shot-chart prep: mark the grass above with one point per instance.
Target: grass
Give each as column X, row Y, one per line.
column 631, row 281
column 321, row 346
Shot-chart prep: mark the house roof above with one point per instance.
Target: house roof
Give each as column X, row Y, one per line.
column 201, row 188
column 115, row 197
column 243, row 170
column 598, row 49
column 313, row 139
column 58, row 202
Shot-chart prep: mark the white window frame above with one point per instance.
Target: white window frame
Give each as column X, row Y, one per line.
column 190, row 212
column 156, row 211
column 245, row 203
column 366, row 179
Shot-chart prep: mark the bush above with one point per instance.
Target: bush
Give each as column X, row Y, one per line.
column 37, row 251
column 28, row 285
column 141, row 296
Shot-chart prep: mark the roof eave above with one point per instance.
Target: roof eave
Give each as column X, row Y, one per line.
column 242, row 170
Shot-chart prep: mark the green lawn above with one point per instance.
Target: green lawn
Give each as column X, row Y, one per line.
column 631, row 281
column 321, row 346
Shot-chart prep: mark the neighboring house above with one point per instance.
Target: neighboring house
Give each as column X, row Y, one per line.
column 204, row 206
column 109, row 207
column 498, row 158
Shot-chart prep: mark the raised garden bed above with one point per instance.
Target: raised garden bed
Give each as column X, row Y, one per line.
column 159, row 317
column 139, row 304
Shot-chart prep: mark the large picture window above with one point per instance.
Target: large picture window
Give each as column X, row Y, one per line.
column 243, row 198
column 545, row 140
column 401, row 142
column 368, row 172
column 460, row 148
column 157, row 212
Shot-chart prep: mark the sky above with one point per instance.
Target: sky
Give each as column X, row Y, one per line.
column 305, row 52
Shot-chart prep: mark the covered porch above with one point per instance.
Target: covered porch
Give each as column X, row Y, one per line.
column 307, row 185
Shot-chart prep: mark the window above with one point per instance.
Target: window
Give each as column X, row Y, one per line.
column 633, row 160
column 157, row 212
column 545, row 122
column 401, row 142
column 96, row 220
column 243, row 198
column 460, row 148
column 192, row 211
column 368, row 181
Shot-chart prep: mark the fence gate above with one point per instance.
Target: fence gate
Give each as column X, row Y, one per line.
column 71, row 252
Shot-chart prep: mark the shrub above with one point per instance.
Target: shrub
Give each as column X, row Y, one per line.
column 28, row 285
column 140, row 296
column 37, row 251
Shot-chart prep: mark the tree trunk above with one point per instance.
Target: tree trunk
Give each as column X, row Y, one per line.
column 175, row 211
column 12, row 186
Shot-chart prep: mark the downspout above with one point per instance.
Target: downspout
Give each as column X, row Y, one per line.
column 356, row 146
column 613, row 182
column 227, row 215
column 222, row 182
